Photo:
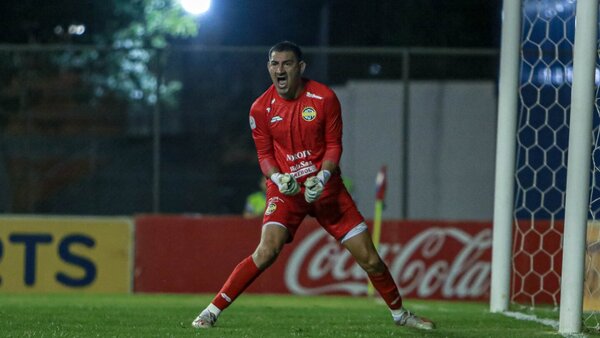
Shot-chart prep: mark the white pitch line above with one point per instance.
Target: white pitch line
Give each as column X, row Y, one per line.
column 544, row 321
column 521, row 316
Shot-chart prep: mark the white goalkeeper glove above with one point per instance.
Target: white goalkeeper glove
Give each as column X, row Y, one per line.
column 286, row 183
column 314, row 185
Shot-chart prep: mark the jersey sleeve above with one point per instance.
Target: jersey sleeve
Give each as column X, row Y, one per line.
column 333, row 130
column 262, row 139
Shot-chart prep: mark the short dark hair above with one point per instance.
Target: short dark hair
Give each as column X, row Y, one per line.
column 287, row 46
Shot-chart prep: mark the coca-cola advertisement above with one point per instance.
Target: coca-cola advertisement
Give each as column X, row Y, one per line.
column 428, row 259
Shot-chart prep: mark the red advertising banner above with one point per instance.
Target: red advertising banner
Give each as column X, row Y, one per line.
column 428, row 259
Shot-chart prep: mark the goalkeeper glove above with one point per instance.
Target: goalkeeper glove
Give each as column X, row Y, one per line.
column 314, row 185
column 286, row 183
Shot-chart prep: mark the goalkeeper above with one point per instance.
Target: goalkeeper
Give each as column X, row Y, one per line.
column 297, row 129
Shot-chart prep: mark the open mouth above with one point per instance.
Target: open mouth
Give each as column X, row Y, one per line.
column 281, row 81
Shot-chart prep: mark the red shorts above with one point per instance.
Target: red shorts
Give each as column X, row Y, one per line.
column 335, row 210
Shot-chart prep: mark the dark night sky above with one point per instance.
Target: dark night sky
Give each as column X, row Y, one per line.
column 465, row 23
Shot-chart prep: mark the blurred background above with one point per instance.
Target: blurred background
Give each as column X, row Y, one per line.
column 121, row 107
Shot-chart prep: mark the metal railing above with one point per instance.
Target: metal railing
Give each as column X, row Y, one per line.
column 74, row 141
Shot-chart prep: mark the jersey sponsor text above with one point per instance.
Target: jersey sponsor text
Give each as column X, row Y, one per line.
column 298, row 155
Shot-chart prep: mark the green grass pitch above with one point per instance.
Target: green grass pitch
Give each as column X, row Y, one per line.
column 150, row 315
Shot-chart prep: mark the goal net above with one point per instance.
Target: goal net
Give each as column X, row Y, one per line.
column 546, row 74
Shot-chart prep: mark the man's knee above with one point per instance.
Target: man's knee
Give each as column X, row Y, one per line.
column 372, row 264
column 265, row 255
column 272, row 240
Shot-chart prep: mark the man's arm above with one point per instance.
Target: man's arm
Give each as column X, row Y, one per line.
column 333, row 151
column 329, row 166
column 266, row 154
column 262, row 141
column 333, row 134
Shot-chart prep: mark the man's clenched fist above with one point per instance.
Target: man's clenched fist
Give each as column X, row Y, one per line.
column 314, row 186
column 286, row 183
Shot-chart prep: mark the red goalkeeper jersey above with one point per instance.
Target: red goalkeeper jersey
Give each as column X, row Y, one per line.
column 296, row 136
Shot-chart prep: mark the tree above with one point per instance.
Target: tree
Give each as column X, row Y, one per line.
column 129, row 48
column 119, row 58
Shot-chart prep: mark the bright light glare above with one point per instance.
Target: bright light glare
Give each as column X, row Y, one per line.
column 195, row 7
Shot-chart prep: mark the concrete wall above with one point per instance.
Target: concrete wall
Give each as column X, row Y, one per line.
column 452, row 128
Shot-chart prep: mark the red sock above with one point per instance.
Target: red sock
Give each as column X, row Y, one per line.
column 242, row 276
column 385, row 285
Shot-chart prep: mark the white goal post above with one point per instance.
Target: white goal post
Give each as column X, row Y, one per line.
column 576, row 208
column 578, row 174
column 505, row 156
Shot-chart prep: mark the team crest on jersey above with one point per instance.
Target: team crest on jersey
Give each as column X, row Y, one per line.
column 271, row 208
column 272, row 205
column 309, row 114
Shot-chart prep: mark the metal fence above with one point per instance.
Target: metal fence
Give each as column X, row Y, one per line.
column 100, row 132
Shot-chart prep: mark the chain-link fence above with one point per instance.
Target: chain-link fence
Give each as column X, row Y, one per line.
column 105, row 132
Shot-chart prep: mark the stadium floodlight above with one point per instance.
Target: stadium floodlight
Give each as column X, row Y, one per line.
column 195, row 7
